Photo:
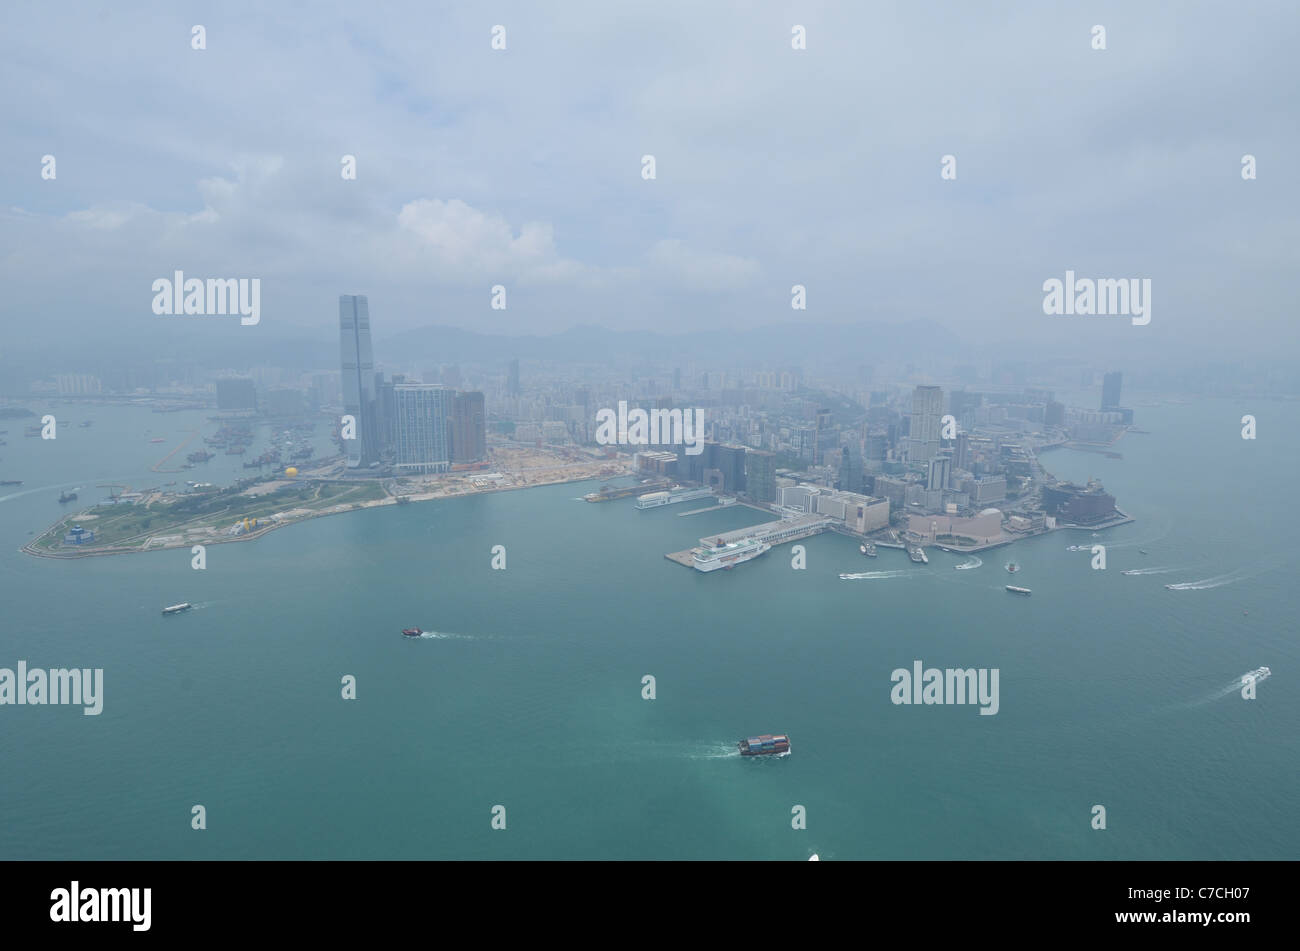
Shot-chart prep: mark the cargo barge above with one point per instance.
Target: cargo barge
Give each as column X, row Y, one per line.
column 766, row 744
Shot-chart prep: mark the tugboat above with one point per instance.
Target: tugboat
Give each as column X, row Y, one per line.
column 412, row 631
column 67, row 497
column 1012, row 567
column 765, row 745
column 868, row 549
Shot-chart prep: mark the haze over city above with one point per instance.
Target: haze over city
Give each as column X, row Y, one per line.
column 774, row 167
column 586, row 431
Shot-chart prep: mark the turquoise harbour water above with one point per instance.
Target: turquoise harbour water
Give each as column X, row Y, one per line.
column 1112, row 688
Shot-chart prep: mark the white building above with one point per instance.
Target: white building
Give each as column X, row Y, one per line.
column 420, row 427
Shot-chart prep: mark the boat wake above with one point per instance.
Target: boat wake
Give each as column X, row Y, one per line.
column 444, row 636
column 1234, row 686
column 874, row 575
column 42, row 488
column 717, row 750
column 967, row 565
column 1218, row 581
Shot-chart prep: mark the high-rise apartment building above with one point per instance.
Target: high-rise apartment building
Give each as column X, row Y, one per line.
column 420, row 427
column 927, row 410
column 1110, row 387
column 468, row 428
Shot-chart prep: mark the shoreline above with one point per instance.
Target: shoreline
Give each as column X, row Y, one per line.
column 223, row 539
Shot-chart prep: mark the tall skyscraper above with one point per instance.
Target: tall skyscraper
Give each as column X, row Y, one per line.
column 731, row 462
column 851, row 467
column 927, row 409
column 1110, row 386
column 420, row 427
column 358, row 379
column 940, row 470
column 512, row 382
column 468, row 428
column 760, row 475
column 961, row 456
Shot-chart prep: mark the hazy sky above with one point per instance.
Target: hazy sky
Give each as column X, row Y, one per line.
column 774, row 166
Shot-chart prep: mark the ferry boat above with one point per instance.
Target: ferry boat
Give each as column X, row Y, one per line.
column 868, row 549
column 728, row 554
column 1259, row 673
column 177, row 608
column 1131, row 571
column 412, row 631
column 766, row 744
column 654, row 499
column 1012, row 567
column 917, row 554
column 1017, row 590
column 729, row 500
column 67, row 497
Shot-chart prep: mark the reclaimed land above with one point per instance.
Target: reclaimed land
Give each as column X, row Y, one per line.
column 164, row 520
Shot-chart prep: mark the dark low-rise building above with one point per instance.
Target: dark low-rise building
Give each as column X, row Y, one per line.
column 1080, row 505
